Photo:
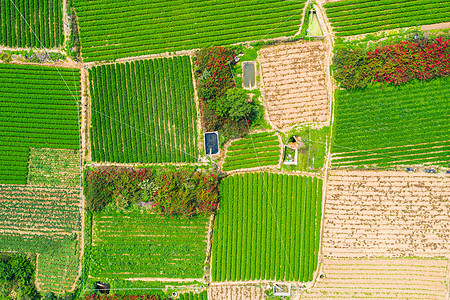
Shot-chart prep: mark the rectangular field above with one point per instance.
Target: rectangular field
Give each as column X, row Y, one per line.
column 295, row 83
column 45, row 221
column 394, row 214
column 137, row 244
column 111, row 30
column 144, row 111
column 381, row 278
column 255, row 150
column 352, row 17
column 37, row 109
column 43, row 16
column 403, row 125
column 267, row 228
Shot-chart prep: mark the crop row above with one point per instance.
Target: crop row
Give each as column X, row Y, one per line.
column 144, row 111
column 29, row 23
column 147, row 27
column 261, row 149
column 31, row 120
column 394, row 125
column 136, row 244
column 267, row 228
column 351, row 18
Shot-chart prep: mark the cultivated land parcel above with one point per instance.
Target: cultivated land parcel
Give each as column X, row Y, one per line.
column 348, row 222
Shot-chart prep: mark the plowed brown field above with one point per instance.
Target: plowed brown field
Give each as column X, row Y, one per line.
column 401, row 278
column 394, row 214
column 294, row 78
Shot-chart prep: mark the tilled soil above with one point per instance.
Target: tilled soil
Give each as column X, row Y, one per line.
column 381, row 278
column 393, row 214
column 295, row 83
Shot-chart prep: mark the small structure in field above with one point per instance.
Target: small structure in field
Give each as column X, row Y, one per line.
column 103, row 288
column 212, row 143
column 249, row 74
column 281, row 290
column 315, row 25
column 291, row 150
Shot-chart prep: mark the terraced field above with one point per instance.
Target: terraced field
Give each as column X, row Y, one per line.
column 255, row 150
column 394, row 214
column 351, row 17
column 404, row 125
column 110, row 30
column 381, row 278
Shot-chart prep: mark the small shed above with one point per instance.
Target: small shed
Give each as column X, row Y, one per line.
column 103, row 288
column 281, row 290
column 212, row 143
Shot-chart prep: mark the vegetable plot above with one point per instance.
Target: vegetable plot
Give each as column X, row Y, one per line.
column 144, row 112
column 255, row 150
column 37, row 109
column 267, row 228
column 403, row 125
column 117, row 29
column 43, row 16
column 44, row 221
column 352, row 17
column 137, row 244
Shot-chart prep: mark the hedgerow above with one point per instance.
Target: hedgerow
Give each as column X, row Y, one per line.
column 395, row 64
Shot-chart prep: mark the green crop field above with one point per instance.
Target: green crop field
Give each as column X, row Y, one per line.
column 116, row 29
column 267, row 228
column 37, row 109
column 255, row 150
column 43, row 16
column 136, row 244
column 144, row 111
column 393, row 126
column 351, row 17
column 43, row 221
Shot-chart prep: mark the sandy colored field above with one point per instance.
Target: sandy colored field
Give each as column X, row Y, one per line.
column 381, row 278
column 295, row 84
column 444, row 25
column 220, row 292
column 394, row 214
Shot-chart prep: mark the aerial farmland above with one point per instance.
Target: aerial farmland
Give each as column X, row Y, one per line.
column 224, row 149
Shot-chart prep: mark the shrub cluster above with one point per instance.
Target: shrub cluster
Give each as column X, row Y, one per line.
column 182, row 192
column 396, row 64
column 223, row 107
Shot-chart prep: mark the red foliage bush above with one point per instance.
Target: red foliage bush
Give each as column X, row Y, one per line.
column 396, row 64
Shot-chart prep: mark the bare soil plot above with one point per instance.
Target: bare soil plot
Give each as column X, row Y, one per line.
column 294, row 78
column 381, row 278
column 394, row 214
column 221, row 292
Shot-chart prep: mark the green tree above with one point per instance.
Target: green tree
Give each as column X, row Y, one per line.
column 235, row 103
